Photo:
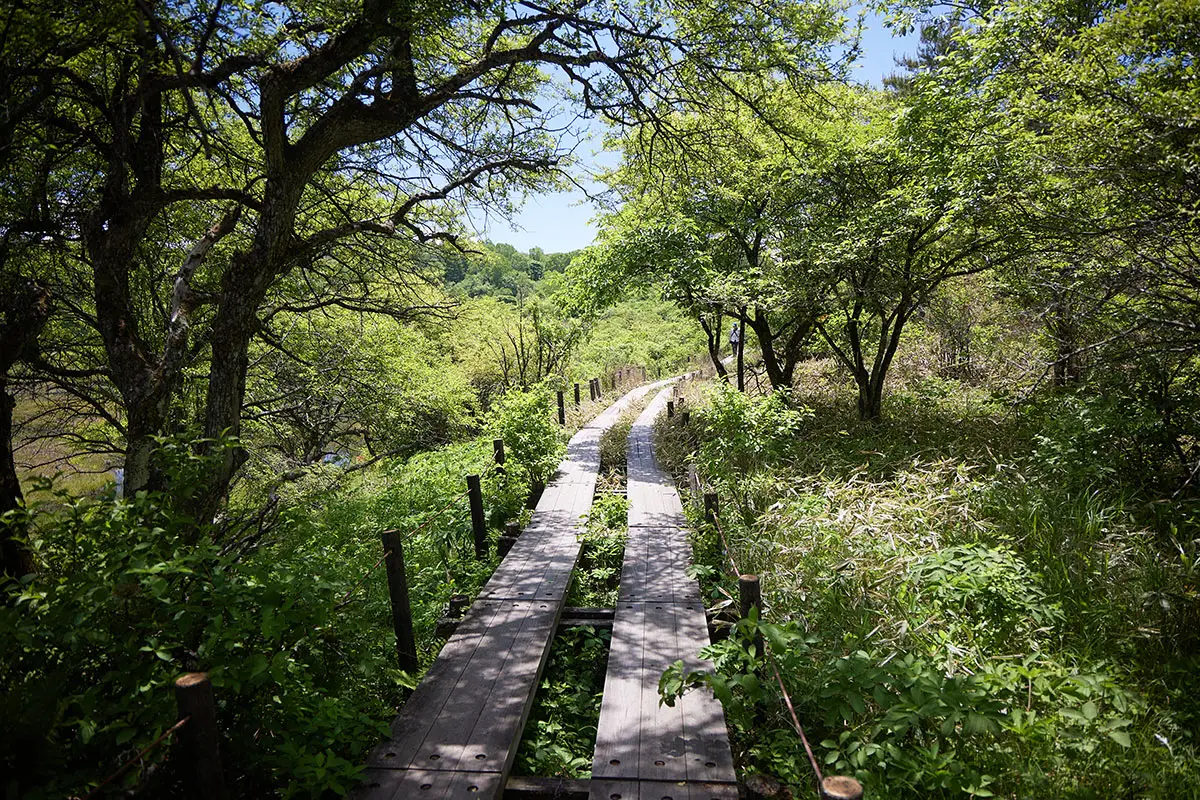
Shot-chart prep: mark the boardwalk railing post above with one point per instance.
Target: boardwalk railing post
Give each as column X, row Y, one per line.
column 512, row 529
column 199, row 739
column 397, row 578
column 562, row 410
column 577, row 393
column 750, row 597
column 839, row 787
column 478, row 523
column 687, row 417
column 711, row 508
column 670, row 408
column 498, row 454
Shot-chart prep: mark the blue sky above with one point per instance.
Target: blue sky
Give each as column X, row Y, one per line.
column 560, row 221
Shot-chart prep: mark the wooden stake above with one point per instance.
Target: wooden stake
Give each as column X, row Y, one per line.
column 562, row 410
column 397, row 578
column 478, row 523
column 750, row 597
column 839, row 787
column 711, row 508
column 199, row 739
column 576, row 393
column 498, row 454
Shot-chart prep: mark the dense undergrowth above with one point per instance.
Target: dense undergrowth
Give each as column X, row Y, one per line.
column 972, row 598
column 291, row 621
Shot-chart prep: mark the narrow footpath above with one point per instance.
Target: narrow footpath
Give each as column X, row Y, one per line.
column 457, row 735
column 645, row 750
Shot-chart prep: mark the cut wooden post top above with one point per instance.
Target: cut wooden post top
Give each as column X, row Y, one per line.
column 839, row 787
column 191, row 679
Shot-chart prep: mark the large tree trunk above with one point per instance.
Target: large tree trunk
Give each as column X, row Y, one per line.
column 1068, row 363
column 244, row 286
column 780, row 363
column 15, row 558
column 870, row 399
column 26, row 309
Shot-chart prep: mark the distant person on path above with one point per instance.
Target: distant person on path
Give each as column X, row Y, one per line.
column 735, row 336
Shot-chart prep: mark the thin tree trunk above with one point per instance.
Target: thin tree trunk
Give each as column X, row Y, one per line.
column 741, row 350
column 714, row 345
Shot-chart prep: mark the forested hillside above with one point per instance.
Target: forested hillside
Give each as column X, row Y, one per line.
column 246, row 329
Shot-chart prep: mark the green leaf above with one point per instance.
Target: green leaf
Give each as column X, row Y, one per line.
column 1120, row 737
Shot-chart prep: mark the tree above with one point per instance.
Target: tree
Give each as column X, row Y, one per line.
column 717, row 214
column 235, row 148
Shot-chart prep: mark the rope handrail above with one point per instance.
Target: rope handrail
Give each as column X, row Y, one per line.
column 138, row 757
column 812, row 759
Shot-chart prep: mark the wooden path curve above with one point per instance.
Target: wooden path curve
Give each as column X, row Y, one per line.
column 458, row 734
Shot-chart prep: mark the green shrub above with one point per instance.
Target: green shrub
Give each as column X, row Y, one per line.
column 533, row 441
column 124, row 606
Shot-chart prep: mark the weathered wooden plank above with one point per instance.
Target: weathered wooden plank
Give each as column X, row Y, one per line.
column 662, row 743
column 660, row 790
column 478, row 725
column 538, row 566
column 397, row 784
column 427, row 702
column 619, row 727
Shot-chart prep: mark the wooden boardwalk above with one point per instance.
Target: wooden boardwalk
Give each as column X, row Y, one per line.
column 457, row 735
column 644, row 749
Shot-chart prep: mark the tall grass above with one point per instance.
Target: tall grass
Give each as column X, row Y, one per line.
column 974, row 548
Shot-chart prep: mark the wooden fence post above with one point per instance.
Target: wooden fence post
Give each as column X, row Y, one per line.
column 839, row 787
column 711, row 508
column 498, row 454
column 478, row 523
column 397, row 578
column 576, row 393
column 512, row 529
column 199, row 739
column 670, row 408
column 687, row 417
column 750, row 596
column 562, row 410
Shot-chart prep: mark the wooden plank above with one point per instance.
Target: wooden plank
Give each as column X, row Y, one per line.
column 708, row 754
column 429, row 699
column 475, row 723
column 660, row 790
column 662, row 743
column 397, row 784
column 538, row 566
column 619, row 727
